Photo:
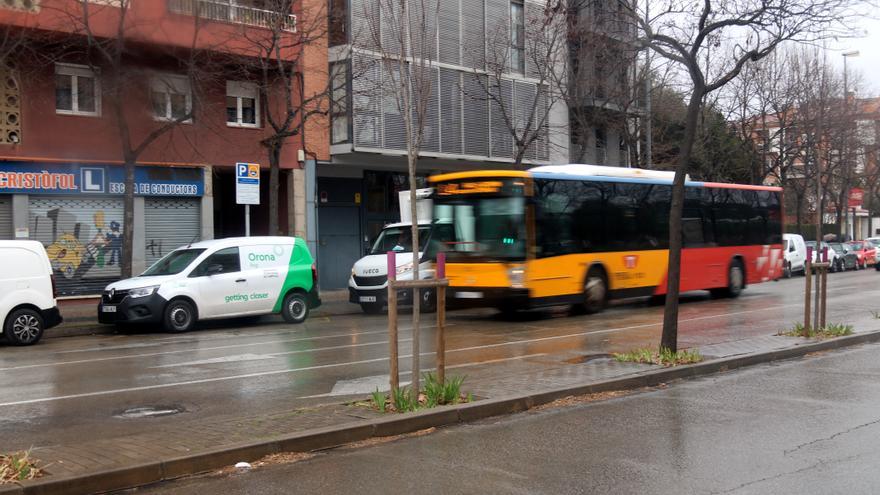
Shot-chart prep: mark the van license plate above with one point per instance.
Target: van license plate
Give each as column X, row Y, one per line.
column 367, row 299
column 108, row 309
column 469, row 295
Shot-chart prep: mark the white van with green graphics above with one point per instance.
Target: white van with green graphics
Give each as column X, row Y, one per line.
column 221, row 278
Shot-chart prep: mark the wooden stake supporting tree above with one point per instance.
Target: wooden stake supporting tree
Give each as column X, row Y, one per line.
column 439, row 284
column 821, row 291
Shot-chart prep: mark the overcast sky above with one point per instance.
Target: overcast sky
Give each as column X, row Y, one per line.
column 868, row 61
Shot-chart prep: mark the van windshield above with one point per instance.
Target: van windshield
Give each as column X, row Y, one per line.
column 399, row 240
column 173, row 262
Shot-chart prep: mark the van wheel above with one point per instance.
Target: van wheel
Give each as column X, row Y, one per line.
column 786, row 271
column 180, row 316
column 427, row 301
column 372, row 308
column 23, row 327
column 295, row 309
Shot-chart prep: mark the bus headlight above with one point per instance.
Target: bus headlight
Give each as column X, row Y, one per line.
column 516, row 275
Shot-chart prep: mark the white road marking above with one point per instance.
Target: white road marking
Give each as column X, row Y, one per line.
column 199, row 349
column 235, row 358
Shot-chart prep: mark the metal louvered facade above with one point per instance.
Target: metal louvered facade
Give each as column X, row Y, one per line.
column 6, row 218
column 83, row 238
column 170, row 223
column 464, row 117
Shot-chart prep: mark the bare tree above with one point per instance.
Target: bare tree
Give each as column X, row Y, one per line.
column 276, row 62
column 115, row 58
column 605, row 87
column 400, row 71
column 737, row 32
column 520, row 73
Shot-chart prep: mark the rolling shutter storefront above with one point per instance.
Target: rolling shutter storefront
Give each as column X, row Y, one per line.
column 6, row 218
column 169, row 224
column 83, row 237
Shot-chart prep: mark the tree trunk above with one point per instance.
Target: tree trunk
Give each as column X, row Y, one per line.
column 413, row 209
column 669, row 339
column 128, row 219
column 274, row 173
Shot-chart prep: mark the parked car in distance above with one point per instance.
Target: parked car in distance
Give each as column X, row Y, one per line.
column 848, row 258
column 221, row 278
column 864, row 252
column 875, row 242
column 27, row 292
column 795, row 254
column 835, row 258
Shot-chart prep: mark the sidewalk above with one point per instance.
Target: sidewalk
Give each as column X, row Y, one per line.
column 500, row 388
column 80, row 314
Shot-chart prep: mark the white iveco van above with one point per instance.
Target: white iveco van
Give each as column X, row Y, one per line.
column 218, row 279
column 368, row 285
column 27, row 292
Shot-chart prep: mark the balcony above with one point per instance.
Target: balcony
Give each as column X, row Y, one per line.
column 233, row 13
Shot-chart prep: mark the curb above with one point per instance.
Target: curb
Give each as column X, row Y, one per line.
column 319, row 439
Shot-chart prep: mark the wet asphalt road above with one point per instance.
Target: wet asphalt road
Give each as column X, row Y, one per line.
column 798, row 427
column 68, row 389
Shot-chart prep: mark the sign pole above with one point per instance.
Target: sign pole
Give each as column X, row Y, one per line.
column 247, row 220
column 247, row 190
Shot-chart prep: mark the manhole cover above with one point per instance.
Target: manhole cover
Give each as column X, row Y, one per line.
column 148, row 412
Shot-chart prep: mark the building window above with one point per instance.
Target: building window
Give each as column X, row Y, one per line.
column 171, row 97
column 517, row 36
column 242, row 104
column 339, row 103
column 77, row 90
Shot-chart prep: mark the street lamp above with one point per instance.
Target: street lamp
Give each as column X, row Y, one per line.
column 846, row 55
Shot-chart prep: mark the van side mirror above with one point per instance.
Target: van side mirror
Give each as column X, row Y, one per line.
column 214, row 270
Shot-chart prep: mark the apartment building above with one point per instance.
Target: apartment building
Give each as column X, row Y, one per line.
column 185, row 101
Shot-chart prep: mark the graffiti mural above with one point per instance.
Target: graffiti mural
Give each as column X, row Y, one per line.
column 83, row 241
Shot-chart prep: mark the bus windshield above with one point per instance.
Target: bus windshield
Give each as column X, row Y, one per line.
column 488, row 228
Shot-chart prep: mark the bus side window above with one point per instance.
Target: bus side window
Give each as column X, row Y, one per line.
column 554, row 218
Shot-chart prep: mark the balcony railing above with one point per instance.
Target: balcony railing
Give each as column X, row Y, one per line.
column 217, row 10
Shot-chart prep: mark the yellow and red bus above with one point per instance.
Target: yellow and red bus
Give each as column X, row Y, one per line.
column 584, row 234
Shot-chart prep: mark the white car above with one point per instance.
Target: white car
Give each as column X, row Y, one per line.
column 795, row 254
column 27, row 292
column 220, row 278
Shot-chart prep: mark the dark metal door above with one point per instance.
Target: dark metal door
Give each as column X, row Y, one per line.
column 339, row 245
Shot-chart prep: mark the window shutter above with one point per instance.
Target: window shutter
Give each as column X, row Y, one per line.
column 450, row 111
column 537, row 43
column 449, row 33
column 498, row 31
column 525, row 95
column 366, row 101
column 423, row 34
column 501, row 105
column 364, row 20
column 475, row 115
column 543, row 141
column 431, row 121
column 473, row 19
column 394, row 126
